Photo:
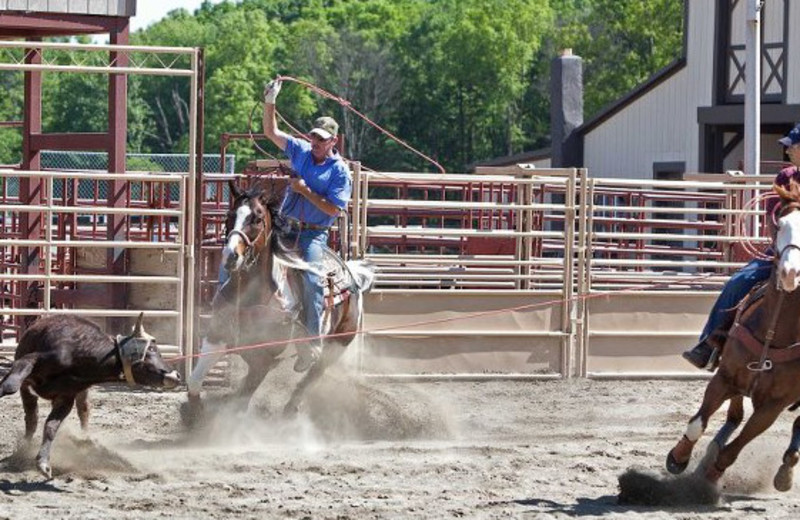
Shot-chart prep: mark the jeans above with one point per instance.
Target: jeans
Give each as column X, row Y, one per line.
column 735, row 289
column 311, row 244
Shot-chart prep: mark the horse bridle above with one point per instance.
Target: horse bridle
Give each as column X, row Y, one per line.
column 763, row 363
column 251, row 253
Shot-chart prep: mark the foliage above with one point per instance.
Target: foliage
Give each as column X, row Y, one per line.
column 460, row 80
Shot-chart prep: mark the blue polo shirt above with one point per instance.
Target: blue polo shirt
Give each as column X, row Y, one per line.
column 331, row 180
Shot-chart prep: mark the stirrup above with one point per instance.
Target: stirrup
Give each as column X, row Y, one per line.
column 713, row 360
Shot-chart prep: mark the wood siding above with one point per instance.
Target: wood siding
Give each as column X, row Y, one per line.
column 661, row 126
column 793, row 72
column 89, row 7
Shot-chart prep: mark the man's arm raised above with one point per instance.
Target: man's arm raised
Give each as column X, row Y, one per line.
column 270, row 123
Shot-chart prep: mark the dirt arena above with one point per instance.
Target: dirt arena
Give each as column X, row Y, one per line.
column 368, row 449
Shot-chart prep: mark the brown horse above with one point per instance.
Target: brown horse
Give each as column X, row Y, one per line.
column 257, row 304
column 760, row 360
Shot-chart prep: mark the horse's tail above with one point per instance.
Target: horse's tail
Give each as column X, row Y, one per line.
column 363, row 274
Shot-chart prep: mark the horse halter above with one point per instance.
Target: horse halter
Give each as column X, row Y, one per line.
column 252, row 247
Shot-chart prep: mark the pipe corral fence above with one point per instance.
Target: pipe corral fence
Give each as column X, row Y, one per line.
column 62, row 231
column 508, row 272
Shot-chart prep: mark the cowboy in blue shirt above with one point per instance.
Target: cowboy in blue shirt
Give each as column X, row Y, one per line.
column 316, row 196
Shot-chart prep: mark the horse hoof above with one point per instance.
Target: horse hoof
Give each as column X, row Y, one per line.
column 710, row 457
column 713, row 474
column 783, row 478
column 675, row 467
column 191, row 412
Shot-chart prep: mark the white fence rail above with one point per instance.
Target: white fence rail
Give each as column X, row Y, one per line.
column 550, row 274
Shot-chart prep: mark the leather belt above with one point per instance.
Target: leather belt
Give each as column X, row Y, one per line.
column 300, row 226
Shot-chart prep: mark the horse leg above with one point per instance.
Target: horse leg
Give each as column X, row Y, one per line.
column 783, row 478
column 330, row 354
column 717, row 392
column 762, row 418
column 733, row 420
column 210, row 354
column 258, row 366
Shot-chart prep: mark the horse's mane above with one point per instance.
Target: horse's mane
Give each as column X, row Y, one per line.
column 270, row 190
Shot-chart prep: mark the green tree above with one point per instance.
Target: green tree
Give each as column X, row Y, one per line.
column 466, row 67
column 352, row 54
column 10, row 111
column 622, row 42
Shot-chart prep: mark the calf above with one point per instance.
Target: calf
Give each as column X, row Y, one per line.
column 60, row 357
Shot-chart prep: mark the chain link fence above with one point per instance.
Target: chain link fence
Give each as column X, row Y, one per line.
column 159, row 162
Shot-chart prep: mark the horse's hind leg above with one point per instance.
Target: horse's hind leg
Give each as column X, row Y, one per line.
column 762, row 418
column 258, row 366
column 61, row 408
column 733, row 420
column 783, row 478
column 717, row 392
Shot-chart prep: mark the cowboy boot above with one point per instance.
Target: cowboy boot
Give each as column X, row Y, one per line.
column 700, row 355
column 706, row 353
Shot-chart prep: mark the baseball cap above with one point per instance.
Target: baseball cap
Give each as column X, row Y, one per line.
column 792, row 138
column 325, row 127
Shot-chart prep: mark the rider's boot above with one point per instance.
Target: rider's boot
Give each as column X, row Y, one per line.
column 307, row 356
column 706, row 353
column 701, row 355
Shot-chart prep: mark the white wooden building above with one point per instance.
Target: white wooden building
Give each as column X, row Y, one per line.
column 125, row 8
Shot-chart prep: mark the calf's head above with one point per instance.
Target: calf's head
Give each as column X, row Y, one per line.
column 142, row 362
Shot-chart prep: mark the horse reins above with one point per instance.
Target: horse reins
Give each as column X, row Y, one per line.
column 763, row 363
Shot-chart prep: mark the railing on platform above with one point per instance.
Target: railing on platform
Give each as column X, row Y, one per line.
column 73, row 247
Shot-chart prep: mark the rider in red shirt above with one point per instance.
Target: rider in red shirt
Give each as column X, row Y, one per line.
column 714, row 334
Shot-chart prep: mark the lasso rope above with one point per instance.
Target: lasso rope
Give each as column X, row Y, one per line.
column 347, row 105
column 469, row 316
column 740, row 226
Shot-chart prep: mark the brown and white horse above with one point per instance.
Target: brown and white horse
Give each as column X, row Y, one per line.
column 251, row 307
column 760, row 360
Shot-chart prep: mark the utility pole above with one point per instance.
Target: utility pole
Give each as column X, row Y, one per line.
column 752, row 97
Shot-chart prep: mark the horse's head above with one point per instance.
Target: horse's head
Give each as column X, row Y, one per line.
column 249, row 222
column 787, row 241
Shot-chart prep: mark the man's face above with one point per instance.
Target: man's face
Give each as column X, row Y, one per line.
column 793, row 152
column 321, row 148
